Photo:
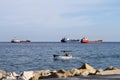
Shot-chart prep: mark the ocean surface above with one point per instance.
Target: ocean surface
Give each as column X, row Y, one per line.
column 19, row 57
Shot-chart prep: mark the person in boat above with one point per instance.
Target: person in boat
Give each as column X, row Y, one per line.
column 67, row 54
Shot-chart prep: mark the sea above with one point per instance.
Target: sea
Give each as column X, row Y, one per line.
column 19, row 57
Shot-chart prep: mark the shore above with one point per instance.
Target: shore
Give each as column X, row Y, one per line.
column 85, row 72
column 92, row 77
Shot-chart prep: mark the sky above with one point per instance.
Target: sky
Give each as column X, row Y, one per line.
column 50, row 20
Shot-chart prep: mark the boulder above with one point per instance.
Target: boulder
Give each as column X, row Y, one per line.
column 2, row 74
column 58, row 74
column 36, row 76
column 73, row 72
column 86, row 67
column 26, row 75
column 108, row 72
column 61, row 71
column 84, row 73
column 41, row 74
column 11, row 76
column 111, row 68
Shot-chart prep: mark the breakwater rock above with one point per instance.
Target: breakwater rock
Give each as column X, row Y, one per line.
column 84, row 70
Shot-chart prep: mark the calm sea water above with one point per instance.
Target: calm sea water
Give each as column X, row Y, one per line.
column 20, row 57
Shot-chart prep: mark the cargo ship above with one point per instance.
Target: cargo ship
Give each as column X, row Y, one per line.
column 19, row 41
column 85, row 40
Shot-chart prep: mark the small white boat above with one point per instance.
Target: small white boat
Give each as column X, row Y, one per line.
column 67, row 56
column 62, row 57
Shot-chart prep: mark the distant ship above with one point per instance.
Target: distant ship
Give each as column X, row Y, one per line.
column 66, row 40
column 19, row 41
column 83, row 40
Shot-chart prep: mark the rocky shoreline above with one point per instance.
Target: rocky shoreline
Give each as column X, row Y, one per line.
column 84, row 70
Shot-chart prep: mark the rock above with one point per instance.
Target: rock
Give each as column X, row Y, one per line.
column 98, row 71
column 111, row 68
column 87, row 67
column 11, row 76
column 2, row 74
column 60, row 75
column 84, row 70
column 84, row 73
column 36, row 76
column 45, row 73
column 61, row 71
column 41, row 74
column 26, row 75
column 73, row 72
column 108, row 72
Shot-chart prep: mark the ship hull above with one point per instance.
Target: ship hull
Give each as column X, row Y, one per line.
column 95, row 41
column 19, row 41
column 69, row 41
column 83, row 40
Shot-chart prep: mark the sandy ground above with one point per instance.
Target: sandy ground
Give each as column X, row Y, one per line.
column 94, row 77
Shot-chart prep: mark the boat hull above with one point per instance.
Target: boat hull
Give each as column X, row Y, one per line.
column 58, row 57
column 95, row 41
column 83, row 40
column 20, row 41
column 70, row 41
column 67, row 40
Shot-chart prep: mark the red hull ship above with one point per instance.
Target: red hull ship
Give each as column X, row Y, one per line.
column 85, row 40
